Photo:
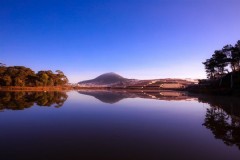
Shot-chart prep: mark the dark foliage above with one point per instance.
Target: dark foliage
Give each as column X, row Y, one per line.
column 22, row 100
column 228, row 58
column 22, row 76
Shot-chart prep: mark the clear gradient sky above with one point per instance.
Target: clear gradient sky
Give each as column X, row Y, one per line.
column 141, row 39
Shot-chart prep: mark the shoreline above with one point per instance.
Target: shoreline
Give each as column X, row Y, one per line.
column 69, row 88
column 214, row 91
column 52, row 88
column 193, row 90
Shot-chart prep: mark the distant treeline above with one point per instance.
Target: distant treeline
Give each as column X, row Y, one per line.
column 223, row 61
column 25, row 77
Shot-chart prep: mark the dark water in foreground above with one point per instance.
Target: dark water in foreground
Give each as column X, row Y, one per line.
column 118, row 125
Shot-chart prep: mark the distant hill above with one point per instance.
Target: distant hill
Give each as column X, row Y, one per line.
column 105, row 80
column 114, row 80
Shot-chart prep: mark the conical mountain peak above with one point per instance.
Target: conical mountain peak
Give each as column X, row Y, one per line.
column 110, row 78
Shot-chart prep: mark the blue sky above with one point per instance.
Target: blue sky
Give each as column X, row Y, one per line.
column 141, row 39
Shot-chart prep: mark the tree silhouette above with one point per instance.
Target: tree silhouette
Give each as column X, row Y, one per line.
column 210, row 68
column 216, row 66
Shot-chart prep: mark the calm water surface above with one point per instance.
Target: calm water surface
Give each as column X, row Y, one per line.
column 118, row 125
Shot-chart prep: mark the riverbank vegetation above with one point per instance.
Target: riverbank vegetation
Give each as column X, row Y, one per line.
column 224, row 61
column 19, row 77
column 223, row 72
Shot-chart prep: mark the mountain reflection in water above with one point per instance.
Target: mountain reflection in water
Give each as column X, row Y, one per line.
column 102, row 127
column 222, row 118
column 22, row 100
column 114, row 96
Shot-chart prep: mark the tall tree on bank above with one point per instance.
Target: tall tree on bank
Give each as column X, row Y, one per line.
column 237, row 55
column 221, row 60
column 210, row 68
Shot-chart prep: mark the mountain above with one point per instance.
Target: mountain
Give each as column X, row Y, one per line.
column 105, row 80
column 114, row 80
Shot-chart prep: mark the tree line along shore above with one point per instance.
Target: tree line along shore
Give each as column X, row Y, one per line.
column 23, row 78
column 223, row 72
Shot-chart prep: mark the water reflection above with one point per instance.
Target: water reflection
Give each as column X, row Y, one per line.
column 223, row 126
column 22, row 100
column 223, row 118
column 154, row 130
column 114, row 96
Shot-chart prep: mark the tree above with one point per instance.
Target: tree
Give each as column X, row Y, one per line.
column 42, row 77
column 2, row 74
column 22, row 76
column 232, row 56
column 7, row 80
column 19, row 82
column 237, row 55
column 221, row 61
column 61, row 79
column 210, row 68
column 215, row 66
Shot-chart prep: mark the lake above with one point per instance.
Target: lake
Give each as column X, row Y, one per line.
column 103, row 124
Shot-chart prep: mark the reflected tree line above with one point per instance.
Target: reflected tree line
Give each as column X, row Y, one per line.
column 22, row 100
column 223, row 119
